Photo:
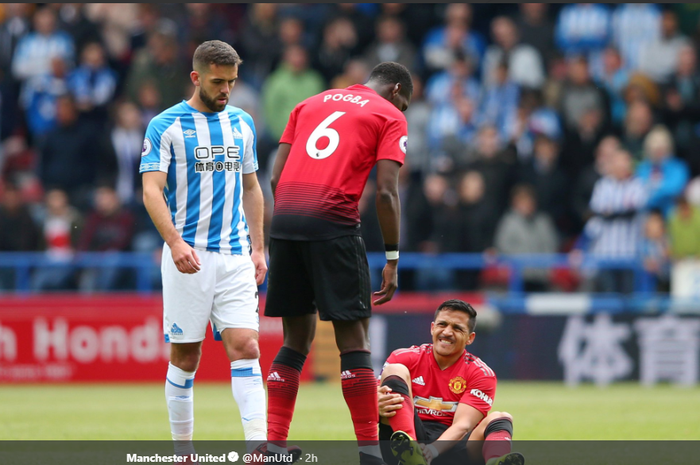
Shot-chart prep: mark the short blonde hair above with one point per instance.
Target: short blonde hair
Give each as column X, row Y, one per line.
column 659, row 136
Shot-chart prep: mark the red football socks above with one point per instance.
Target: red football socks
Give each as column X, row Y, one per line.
column 497, row 443
column 404, row 418
column 282, row 389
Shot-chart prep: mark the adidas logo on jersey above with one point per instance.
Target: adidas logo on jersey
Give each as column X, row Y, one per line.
column 189, row 133
column 419, row 381
column 274, row 376
column 237, row 134
column 346, row 375
column 176, row 330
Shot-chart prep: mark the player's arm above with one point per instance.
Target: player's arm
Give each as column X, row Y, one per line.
column 466, row 418
column 389, row 215
column 254, row 207
column 280, row 161
column 184, row 256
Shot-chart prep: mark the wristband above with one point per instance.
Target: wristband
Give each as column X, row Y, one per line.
column 433, row 450
column 392, row 255
column 391, row 247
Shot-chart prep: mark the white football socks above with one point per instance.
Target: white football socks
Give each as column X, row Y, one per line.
column 249, row 393
column 179, row 396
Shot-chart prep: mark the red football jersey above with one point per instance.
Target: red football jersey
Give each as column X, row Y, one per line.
column 436, row 393
column 337, row 137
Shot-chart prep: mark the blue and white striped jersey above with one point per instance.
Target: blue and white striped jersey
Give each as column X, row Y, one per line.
column 205, row 156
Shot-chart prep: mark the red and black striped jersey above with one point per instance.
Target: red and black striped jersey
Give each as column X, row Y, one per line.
column 336, row 139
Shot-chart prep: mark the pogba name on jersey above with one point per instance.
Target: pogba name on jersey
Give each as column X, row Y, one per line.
column 345, row 98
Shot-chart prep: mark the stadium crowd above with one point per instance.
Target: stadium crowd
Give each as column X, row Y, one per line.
column 534, row 128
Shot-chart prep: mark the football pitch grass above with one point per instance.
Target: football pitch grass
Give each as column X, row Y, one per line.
column 541, row 411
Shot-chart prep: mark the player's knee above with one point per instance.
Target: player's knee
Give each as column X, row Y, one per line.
column 186, row 360
column 396, row 369
column 499, row 415
column 245, row 350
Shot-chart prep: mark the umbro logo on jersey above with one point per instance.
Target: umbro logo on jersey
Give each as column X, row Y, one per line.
column 176, row 330
column 419, row 381
column 190, row 133
column 274, row 376
column 237, row 134
column 346, row 375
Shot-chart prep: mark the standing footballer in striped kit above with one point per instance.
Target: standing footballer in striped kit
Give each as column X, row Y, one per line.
column 201, row 190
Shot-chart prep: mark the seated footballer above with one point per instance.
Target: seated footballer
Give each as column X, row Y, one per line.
column 434, row 400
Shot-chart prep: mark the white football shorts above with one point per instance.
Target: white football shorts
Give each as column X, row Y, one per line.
column 223, row 292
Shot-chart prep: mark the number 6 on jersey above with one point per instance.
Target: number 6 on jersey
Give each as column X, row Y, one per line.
column 322, row 130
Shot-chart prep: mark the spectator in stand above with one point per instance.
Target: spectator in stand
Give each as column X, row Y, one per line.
column 580, row 94
column 659, row 59
column 74, row 156
column 452, row 128
column 292, row 82
column 159, row 62
column 584, row 29
column 635, row 26
column 476, row 224
column 455, row 36
column 581, row 142
column 536, row 28
column 664, row 175
column 525, row 230
column 73, row 19
column 259, row 43
column 117, row 22
column 614, row 79
column 391, row 44
column 15, row 25
column 638, row 122
column 418, row 19
column 498, row 103
column 683, row 227
column 35, row 50
column 532, row 118
column 338, row 46
column 682, row 110
column 362, row 21
column 439, row 87
column 418, row 118
column 93, row 83
column 614, row 230
column 39, row 99
column 355, row 71
column 585, row 181
column 127, row 142
column 655, row 250
column 201, row 22
column 109, row 227
column 61, row 227
column 548, row 180
column 18, row 231
column 525, row 64
column 444, row 236
column 496, row 165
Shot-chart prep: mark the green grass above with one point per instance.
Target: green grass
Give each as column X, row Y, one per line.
column 541, row 411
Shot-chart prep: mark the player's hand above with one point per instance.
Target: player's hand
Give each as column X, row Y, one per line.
column 428, row 452
column 390, row 281
column 388, row 402
column 260, row 266
column 185, row 258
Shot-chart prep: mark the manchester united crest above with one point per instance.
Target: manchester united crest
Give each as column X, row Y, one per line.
column 458, row 385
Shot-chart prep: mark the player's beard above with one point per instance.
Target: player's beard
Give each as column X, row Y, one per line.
column 210, row 102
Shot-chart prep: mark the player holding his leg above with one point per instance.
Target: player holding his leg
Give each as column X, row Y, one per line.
column 439, row 395
column 317, row 256
column 202, row 193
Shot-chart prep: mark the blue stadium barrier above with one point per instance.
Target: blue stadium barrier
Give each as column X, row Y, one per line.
column 143, row 265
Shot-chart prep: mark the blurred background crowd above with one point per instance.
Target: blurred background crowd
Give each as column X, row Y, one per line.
column 534, row 128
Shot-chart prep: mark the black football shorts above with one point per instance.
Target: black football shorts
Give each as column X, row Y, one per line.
column 331, row 276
